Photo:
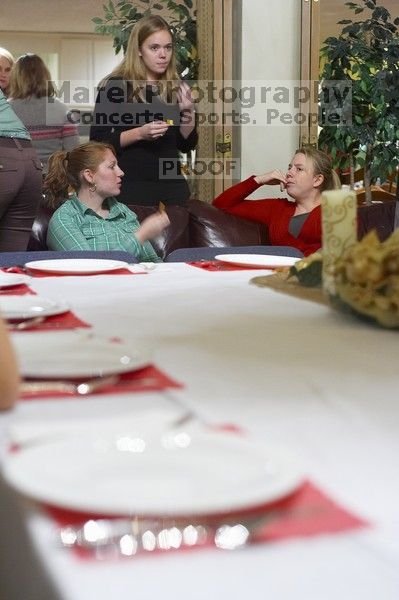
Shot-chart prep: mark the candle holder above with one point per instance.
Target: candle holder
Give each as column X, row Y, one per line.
column 339, row 234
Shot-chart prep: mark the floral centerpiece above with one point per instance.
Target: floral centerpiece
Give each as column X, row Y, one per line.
column 366, row 278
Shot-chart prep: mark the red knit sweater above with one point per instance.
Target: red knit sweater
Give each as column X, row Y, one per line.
column 275, row 213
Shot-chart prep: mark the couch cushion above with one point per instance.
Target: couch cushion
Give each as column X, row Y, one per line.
column 173, row 237
column 210, row 226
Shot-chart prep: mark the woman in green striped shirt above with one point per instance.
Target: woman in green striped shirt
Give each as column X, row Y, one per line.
column 92, row 218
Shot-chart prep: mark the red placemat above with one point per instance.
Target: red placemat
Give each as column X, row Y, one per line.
column 305, row 513
column 217, row 265
column 38, row 273
column 17, row 290
column 149, row 379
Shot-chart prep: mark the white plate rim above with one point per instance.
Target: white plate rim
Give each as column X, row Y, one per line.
column 120, row 505
column 258, row 260
column 18, row 278
column 74, row 266
column 57, row 339
column 59, row 307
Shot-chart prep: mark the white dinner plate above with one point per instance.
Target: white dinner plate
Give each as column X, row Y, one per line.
column 27, row 307
column 11, row 279
column 179, row 473
column 72, row 266
column 267, row 261
column 73, row 354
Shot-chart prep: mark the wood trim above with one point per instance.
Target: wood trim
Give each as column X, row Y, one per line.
column 305, row 61
column 219, row 25
column 310, row 31
column 220, row 80
column 203, row 187
column 225, row 76
column 229, row 78
column 314, row 72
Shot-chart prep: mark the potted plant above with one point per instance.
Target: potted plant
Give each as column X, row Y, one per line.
column 364, row 58
column 120, row 17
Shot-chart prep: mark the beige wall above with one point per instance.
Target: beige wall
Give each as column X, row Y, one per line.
column 61, row 32
column 270, row 53
column 49, row 15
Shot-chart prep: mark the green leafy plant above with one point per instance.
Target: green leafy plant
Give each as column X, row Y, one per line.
column 365, row 59
column 120, row 17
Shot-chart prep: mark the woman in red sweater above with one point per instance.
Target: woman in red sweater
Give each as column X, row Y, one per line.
column 297, row 223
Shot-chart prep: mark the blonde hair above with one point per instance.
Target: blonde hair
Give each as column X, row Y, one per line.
column 8, row 56
column 30, row 77
column 65, row 169
column 132, row 68
column 322, row 165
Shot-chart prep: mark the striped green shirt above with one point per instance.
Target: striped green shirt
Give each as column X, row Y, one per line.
column 75, row 226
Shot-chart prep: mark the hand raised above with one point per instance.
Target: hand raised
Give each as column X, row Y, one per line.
column 154, row 130
column 184, row 97
column 152, row 226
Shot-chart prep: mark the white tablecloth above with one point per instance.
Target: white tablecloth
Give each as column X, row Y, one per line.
column 288, row 371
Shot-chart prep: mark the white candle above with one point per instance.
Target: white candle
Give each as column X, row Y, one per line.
column 338, row 229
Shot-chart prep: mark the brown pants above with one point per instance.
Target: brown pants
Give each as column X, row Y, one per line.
column 20, row 192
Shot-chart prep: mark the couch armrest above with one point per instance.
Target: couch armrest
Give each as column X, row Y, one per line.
column 210, row 226
column 38, row 236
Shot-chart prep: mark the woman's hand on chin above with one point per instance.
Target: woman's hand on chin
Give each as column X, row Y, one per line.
column 275, row 177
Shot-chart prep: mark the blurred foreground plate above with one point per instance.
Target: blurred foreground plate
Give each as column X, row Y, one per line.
column 180, row 472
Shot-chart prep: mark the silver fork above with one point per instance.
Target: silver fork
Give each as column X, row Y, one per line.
column 83, row 389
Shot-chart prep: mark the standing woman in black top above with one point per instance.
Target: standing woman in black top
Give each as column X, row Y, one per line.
column 147, row 113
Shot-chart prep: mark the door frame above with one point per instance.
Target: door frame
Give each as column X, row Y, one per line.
column 219, row 50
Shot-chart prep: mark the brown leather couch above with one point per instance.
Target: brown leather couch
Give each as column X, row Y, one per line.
column 203, row 225
column 198, row 225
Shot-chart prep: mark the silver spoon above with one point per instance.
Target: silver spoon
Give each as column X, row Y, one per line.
column 26, row 324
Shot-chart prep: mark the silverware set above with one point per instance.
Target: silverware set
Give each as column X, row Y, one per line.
column 124, row 537
column 30, row 323
column 82, row 389
column 108, row 538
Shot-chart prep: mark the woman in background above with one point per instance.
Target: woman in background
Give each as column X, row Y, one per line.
column 92, row 219
column 297, row 223
column 20, row 181
column 147, row 113
column 6, row 65
column 9, row 378
column 32, row 97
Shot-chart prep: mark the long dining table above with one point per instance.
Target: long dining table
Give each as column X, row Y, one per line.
column 287, row 371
